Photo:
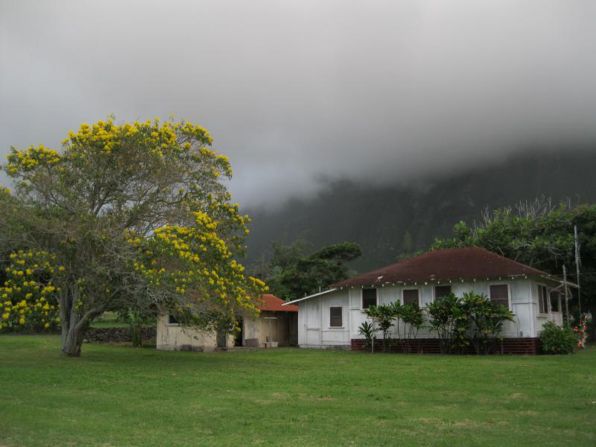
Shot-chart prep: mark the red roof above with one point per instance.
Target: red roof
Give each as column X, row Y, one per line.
column 444, row 265
column 271, row 303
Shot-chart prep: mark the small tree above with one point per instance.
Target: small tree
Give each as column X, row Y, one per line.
column 486, row 320
column 413, row 319
column 383, row 317
column 447, row 319
column 367, row 330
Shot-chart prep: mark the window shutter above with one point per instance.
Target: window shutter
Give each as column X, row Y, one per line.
column 442, row 291
column 335, row 317
column 500, row 294
column 369, row 298
column 411, row 296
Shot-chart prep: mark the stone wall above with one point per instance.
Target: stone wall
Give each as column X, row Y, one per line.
column 118, row 335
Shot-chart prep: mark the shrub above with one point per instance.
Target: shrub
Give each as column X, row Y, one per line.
column 472, row 320
column 367, row 329
column 485, row 319
column 382, row 316
column 557, row 340
column 413, row 319
column 447, row 319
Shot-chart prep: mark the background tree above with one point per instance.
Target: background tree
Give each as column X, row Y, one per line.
column 128, row 212
column 539, row 234
column 293, row 274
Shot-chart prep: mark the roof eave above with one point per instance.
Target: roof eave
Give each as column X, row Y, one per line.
column 314, row 295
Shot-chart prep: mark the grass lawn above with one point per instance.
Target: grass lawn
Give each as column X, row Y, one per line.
column 119, row 396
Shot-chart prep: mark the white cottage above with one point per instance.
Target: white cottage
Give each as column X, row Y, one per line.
column 331, row 318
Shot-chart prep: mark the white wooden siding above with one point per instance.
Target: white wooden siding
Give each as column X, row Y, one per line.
column 313, row 317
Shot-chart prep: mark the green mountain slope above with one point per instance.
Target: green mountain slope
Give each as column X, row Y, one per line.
column 392, row 220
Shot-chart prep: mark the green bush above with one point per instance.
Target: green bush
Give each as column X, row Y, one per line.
column 557, row 340
column 367, row 329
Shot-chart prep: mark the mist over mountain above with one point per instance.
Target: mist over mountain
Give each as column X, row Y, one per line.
column 389, row 221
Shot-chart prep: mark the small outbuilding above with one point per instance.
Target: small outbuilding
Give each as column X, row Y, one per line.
column 276, row 325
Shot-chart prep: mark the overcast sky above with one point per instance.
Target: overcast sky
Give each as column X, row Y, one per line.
column 299, row 91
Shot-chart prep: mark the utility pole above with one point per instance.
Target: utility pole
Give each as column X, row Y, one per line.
column 577, row 264
column 566, row 293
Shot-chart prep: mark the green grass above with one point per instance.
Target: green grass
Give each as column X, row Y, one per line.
column 119, row 396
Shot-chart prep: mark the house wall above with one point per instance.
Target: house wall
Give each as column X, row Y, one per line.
column 541, row 318
column 313, row 317
column 173, row 337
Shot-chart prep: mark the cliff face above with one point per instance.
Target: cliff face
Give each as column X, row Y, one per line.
column 392, row 220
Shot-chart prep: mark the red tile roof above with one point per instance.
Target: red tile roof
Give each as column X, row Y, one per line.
column 271, row 303
column 445, row 265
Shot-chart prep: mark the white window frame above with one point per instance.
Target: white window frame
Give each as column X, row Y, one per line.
column 547, row 301
column 343, row 326
column 412, row 288
column 440, row 285
column 362, row 296
column 559, row 302
column 508, row 292
column 168, row 321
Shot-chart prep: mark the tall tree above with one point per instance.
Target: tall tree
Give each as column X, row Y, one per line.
column 539, row 234
column 131, row 212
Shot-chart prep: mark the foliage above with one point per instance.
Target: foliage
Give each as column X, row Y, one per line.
column 292, row 273
column 581, row 330
column 485, row 319
column 538, row 234
column 382, row 316
column 28, row 297
column 367, row 330
column 448, row 320
column 132, row 212
column 472, row 320
column 556, row 339
column 413, row 319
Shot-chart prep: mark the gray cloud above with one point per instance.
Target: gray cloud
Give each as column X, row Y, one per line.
column 298, row 90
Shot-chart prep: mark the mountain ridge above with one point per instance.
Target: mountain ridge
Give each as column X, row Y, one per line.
column 392, row 220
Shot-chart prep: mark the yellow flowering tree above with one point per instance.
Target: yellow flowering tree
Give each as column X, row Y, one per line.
column 28, row 298
column 137, row 215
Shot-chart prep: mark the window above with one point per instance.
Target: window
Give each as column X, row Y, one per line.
column 442, row 291
column 555, row 298
column 369, row 298
column 172, row 319
column 411, row 296
column 335, row 317
column 499, row 294
column 542, row 300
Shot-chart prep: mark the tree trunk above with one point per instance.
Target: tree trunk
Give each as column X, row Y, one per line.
column 74, row 324
column 71, row 344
